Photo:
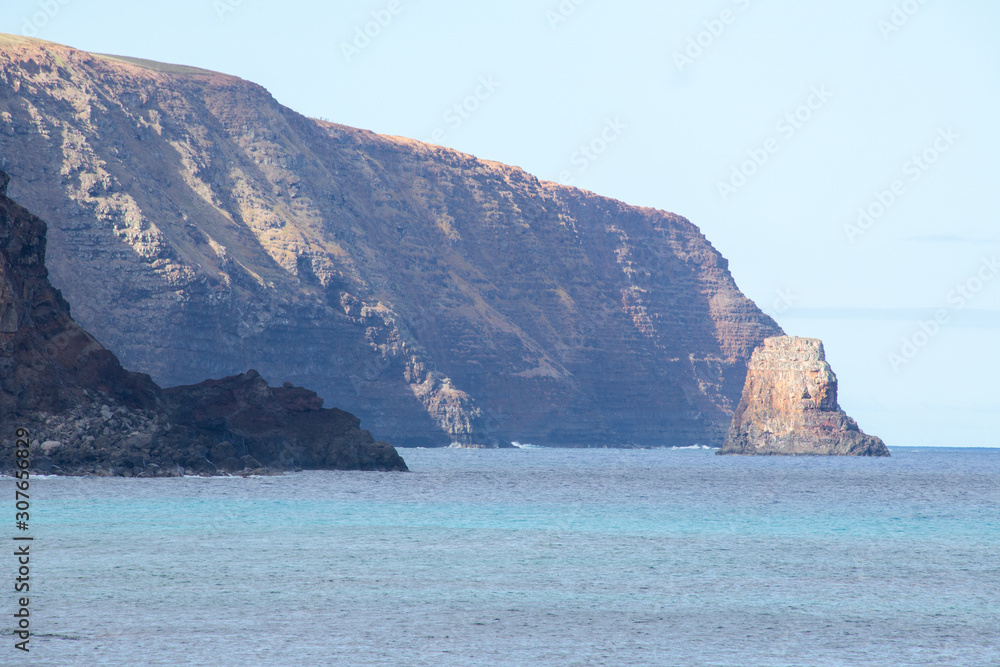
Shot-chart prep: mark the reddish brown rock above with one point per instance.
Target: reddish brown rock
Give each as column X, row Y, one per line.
column 789, row 406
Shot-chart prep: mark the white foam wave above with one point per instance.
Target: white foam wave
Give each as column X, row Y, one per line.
column 526, row 445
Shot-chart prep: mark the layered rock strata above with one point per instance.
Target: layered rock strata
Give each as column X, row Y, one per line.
column 200, row 228
column 88, row 415
column 789, row 406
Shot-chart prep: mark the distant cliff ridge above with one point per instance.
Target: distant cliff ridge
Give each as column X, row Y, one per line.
column 789, row 406
column 200, row 228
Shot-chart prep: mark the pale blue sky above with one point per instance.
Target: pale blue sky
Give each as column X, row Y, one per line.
column 556, row 81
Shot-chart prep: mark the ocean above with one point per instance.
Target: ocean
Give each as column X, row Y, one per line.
column 530, row 556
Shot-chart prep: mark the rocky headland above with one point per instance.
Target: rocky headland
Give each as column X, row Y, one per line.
column 199, row 228
column 286, row 426
column 789, row 406
column 88, row 415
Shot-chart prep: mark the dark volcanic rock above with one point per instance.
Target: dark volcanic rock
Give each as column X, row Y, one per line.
column 789, row 406
column 87, row 414
column 47, row 362
column 46, row 359
column 287, row 426
column 200, row 228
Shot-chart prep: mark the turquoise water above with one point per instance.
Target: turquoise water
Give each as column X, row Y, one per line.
column 527, row 557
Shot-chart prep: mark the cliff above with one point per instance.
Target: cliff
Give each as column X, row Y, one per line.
column 47, row 362
column 200, row 228
column 88, row 415
column 789, row 406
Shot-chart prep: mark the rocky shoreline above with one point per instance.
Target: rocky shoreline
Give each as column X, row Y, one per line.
column 95, row 439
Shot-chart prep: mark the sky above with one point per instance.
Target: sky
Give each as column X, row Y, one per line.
column 842, row 156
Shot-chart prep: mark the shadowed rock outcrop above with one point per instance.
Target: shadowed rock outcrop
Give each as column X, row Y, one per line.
column 88, row 415
column 47, row 362
column 200, row 228
column 286, row 426
column 789, row 406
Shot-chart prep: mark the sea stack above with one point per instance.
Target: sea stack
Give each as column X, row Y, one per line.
column 789, row 406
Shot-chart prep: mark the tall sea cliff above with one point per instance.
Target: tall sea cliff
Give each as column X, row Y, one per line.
column 200, row 228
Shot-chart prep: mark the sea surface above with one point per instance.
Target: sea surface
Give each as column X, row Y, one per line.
column 524, row 557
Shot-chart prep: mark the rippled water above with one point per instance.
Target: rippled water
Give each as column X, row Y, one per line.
column 527, row 557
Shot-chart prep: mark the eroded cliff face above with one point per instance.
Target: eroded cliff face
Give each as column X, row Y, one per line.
column 789, row 406
column 88, row 415
column 200, row 228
